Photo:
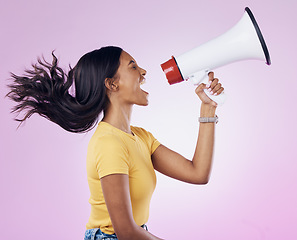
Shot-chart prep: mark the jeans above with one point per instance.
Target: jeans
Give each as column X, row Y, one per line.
column 97, row 234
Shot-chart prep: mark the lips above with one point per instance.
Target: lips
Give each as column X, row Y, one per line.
column 144, row 91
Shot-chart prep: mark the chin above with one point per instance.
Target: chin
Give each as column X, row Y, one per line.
column 143, row 103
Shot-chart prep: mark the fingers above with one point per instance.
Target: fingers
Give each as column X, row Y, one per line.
column 219, row 91
column 214, row 87
column 210, row 75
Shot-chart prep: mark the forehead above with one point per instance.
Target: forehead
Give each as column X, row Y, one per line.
column 126, row 57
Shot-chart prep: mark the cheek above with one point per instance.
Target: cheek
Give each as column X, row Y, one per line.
column 129, row 83
column 131, row 80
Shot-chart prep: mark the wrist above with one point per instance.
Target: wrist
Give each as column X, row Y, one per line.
column 207, row 110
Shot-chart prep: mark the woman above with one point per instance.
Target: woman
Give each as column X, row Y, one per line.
column 121, row 158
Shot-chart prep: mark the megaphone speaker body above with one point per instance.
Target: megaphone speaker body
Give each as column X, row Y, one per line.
column 243, row 41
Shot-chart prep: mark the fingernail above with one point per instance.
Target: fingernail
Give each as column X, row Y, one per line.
column 208, row 85
column 211, row 92
column 215, row 94
column 209, row 89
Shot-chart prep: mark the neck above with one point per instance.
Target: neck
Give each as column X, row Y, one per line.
column 119, row 116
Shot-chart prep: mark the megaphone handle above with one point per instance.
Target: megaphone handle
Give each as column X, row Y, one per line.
column 202, row 77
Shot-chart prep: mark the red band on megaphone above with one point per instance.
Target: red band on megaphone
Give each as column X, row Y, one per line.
column 172, row 71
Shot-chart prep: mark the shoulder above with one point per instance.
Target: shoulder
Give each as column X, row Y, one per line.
column 146, row 137
column 108, row 152
column 105, row 141
column 136, row 129
column 140, row 131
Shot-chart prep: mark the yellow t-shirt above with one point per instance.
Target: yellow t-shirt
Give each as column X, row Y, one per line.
column 112, row 151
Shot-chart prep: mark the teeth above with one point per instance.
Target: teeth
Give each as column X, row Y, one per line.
column 142, row 82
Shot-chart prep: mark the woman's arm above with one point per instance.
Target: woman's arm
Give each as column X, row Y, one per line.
column 116, row 193
column 198, row 170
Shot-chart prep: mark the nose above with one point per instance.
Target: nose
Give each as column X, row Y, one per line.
column 143, row 72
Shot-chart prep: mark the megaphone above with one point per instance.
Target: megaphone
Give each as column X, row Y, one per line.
column 242, row 41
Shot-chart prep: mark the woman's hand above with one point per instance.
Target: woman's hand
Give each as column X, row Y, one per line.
column 214, row 86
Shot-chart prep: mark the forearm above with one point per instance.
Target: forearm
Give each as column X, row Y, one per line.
column 202, row 160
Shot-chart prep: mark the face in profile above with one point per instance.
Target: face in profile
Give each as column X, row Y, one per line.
column 129, row 78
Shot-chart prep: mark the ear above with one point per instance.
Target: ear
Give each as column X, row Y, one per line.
column 111, row 84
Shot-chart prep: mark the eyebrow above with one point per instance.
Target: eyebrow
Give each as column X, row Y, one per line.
column 131, row 62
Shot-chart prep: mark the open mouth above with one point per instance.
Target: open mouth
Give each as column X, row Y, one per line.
column 141, row 84
column 143, row 80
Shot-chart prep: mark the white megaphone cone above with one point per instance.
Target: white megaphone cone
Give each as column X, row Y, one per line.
column 243, row 41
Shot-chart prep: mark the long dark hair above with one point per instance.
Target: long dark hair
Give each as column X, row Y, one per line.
column 45, row 89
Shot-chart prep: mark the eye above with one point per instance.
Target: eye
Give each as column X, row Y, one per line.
column 134, row 67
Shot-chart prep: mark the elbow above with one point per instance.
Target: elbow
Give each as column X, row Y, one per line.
column 201, row 180
column 204, row 182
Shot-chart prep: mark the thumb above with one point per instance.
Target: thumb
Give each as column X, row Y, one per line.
column 200, row 88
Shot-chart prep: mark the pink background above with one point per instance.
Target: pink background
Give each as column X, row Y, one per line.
column 252, row 191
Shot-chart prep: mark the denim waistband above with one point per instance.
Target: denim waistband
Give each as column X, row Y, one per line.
column 97, row 234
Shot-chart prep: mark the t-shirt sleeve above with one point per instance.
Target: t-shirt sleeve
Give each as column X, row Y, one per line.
column 152, row 142
column 111, row 156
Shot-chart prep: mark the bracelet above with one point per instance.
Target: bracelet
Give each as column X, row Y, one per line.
column 209, row 119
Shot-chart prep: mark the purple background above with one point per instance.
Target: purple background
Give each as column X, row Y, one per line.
column 252, row 191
